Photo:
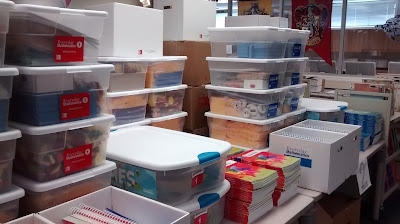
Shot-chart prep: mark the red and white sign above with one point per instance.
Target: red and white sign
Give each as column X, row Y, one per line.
column 74, row 106
column 68, row 49
column 78, row 158
column 201, row 218
column 197, row 178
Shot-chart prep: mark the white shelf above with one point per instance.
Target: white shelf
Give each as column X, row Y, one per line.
column 286, row 213
column 371, row 151
column 395, row 117
column 316, row 195
column 390, row 192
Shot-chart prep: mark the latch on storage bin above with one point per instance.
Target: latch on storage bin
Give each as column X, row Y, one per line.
column 208, row 157
column 208, row 199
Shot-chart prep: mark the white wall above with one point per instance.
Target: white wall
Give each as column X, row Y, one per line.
column 81, row 4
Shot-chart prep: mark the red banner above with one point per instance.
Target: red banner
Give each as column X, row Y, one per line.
column 315, row 15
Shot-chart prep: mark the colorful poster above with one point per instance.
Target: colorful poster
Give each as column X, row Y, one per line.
column 315, row 15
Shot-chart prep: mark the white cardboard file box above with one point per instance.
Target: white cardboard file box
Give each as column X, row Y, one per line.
column 325, row 156
column 247, row 20
column 165, row 165
column 131, row 31
column 5, row 8
column 31, row 219
column 187, row 20
column 130, row 205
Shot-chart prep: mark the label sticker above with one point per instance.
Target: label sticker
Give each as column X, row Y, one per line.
column 135, row 179
column 200, row 218
column 68, row 49
column 78, row 158
column 296, row 50
column 229, row 49
column 295, row 78
column 197, row 178
column 294, row 104
column 272, row 110
column 75, row 105
column 273, row 81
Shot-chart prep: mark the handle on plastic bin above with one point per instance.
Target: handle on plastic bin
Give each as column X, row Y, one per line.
column 208, row 199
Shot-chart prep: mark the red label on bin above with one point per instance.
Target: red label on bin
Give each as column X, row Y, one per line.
column 78, row 158
column 201, row 218
column 197, row 178
column 75, row 105
column 68, row 49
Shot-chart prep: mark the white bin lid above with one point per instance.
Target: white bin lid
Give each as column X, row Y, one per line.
column 13, row 194
column 34, row 186
column 10, row 134
column 167, row 89
column 43, row 130
column 128, row 93
column 242, row 90
column 245, row 120
column 8, row 71
column 155, row 59
column 318, row 105
column 205, row 199
column 6, row 4
column 169, row 117
column 56, row 10
column 255, row 61
column 162, row 149
column 135, row 124
column 296, row 112
column 61, row 70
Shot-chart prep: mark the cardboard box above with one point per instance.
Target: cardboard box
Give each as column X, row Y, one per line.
column 131, row 31
column 196, row 71
column 248, row 20
column 201, row 131
column 187, row 19
column 338, row 210
column 31, row 219
column 196, row 103
column 254, row 7
column 130, row 205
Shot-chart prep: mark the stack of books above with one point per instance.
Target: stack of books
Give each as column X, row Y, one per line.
column 251, row 191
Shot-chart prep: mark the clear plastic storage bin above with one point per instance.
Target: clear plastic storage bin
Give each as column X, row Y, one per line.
column 207, row 206
column 242, row 132
column 164, row 165
column 324, row 110
column 173, row 122
column 134, row 124
column 254, row 42
column 246, row 103
column 9, row 203
column 127, row 107
column 129, row 73
column 5, row 8
column 50, row 152
column 297, row 41
column 51, row 36
column 295, row 117
column 52, row 95
column 165, row 101
column 247, row 73
column 293, row 96
column 165, row 71
column 294, row 71
column 6, row 84
column 7, row 155
column 41, row 196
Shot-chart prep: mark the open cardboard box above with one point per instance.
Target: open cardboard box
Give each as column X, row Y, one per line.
column 133, row 206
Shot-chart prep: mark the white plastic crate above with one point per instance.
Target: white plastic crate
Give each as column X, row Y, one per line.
column 51, row 36
column 173, row 122
column 246, row 103
column 5, row 8
column 165, row 165
column 165, row 101
column 324, row 110
column 242, row 132
column 326, row 159
column 9, row 203
column 41, row 196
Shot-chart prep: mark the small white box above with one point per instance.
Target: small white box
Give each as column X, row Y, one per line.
column 327, row 158
column 133, row 206
column 187, row 20
column 280, row 22
column 248, row 20
column 131, row 31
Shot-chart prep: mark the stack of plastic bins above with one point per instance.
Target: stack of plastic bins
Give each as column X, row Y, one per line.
column 5, row 8
column 324, row 110
column 168, row 166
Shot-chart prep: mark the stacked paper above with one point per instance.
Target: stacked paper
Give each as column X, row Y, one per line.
column 288, row 169
column 251, row 191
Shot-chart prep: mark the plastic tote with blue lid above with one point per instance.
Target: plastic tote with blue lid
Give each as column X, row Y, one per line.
column 165, row 165
column 5, row 8
column 207, row 207
column 324, row 110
